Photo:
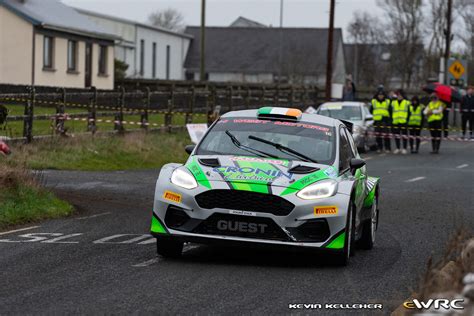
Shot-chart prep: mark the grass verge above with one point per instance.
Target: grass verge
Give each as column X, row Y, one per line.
column 22, row 200
column 104, row 153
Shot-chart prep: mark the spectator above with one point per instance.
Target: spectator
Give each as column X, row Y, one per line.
column 415, row 122
column 349, row 92
column 434, row 113
column 467, row 112
column 380, row 109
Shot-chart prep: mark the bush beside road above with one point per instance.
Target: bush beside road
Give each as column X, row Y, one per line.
column 23, row 200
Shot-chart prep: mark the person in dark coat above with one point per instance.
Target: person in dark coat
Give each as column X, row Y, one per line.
column 467, row 112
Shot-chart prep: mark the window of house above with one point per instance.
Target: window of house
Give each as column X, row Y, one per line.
column 72, row 56
column 48, row 52
column 168, row 56
column 103, row 60
column 154, row 61
column 142, row 57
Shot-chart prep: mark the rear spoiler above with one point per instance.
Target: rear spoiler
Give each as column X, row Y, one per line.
column 348, row 124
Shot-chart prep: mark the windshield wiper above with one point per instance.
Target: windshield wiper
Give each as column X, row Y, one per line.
column 282, row 148
column 254, row 151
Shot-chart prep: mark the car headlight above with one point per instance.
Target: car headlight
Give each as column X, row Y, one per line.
column 318, row 190
column 183, row 179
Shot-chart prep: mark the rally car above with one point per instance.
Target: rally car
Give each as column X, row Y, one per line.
column 271, row 177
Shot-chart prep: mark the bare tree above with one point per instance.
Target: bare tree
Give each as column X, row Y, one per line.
column 169, row 18
column 405, row 20
column 367, row 35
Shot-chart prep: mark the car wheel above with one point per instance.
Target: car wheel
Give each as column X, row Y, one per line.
column 369, row 228
column 343, row 258
column 169, row 248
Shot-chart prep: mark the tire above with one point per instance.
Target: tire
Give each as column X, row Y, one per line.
column 343, row 258
column 369, row 228
column 169, row 248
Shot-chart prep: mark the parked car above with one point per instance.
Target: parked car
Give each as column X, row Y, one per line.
column 357, row 113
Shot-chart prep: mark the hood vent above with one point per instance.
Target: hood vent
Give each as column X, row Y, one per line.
column 299, row 169
column 210, row 162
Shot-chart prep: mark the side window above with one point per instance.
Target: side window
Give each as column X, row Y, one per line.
column 345, row 152
column 354, row 152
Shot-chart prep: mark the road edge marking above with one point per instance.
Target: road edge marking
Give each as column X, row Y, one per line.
column 415, row 179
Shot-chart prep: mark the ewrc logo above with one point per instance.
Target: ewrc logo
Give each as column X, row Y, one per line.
column 436, row 304
column 254, row 171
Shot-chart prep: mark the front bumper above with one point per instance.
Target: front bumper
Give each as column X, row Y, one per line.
column 302, row 227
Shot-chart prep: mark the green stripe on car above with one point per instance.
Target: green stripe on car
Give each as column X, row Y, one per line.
column 338, row 243
column 156, row 226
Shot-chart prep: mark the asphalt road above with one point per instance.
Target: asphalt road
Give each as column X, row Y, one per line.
column 102, row 259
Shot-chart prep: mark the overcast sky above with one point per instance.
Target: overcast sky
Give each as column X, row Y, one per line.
column 303, row 13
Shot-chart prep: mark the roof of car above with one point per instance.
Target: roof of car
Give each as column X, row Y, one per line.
column 343, row 103
column 310, row 118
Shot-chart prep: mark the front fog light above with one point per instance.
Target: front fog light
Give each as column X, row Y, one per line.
column 183, row 179
column 318, row 190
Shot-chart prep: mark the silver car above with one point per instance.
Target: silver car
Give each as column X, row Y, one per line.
column 269, row 177
column 357, row 113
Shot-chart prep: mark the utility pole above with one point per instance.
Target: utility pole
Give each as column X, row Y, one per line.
column 202, row 74
column 330, row 50
column 280, row 44
column 448, row 41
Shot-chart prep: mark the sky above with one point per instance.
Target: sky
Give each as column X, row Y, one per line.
column 297, row 13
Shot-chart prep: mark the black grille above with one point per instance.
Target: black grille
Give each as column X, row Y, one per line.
column 244, row 201
column 241, row 226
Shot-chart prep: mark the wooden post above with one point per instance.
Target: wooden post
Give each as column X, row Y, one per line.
column 192, row 102
column 60, row 110
column 276, row 96
column 231, row 98
column 146, row 106
column 118, row 125
column 169, row 114
column 29, row 112
column 247, row 98
column 91, row 119
column 292, row 96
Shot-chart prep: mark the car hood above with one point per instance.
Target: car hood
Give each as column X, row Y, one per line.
column 253, row 173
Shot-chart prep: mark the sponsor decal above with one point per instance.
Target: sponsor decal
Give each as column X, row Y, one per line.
column 255, row 159
column 245, row 213
column 250, row 173
column 242, row 227
column 330, row 172
column 437, row 304
column 171, row 196
column 325, row 210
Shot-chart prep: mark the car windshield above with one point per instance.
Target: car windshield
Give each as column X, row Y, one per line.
column 310, row 140
column 342, row 112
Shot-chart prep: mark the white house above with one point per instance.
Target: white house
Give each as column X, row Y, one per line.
column 150, row 52
column 46, row 43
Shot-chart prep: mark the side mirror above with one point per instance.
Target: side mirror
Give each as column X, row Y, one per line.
column 369, row 118
column 189, row 149
column 356, row 163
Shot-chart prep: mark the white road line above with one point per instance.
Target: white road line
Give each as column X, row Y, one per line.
column 93, row 216
column 368, row 158
column 462, row 166
column 424, row 142
column 146, row 263
column 18, row 230
column 415, row 179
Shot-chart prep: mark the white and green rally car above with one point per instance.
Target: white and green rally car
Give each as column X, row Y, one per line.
column 274, row 177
